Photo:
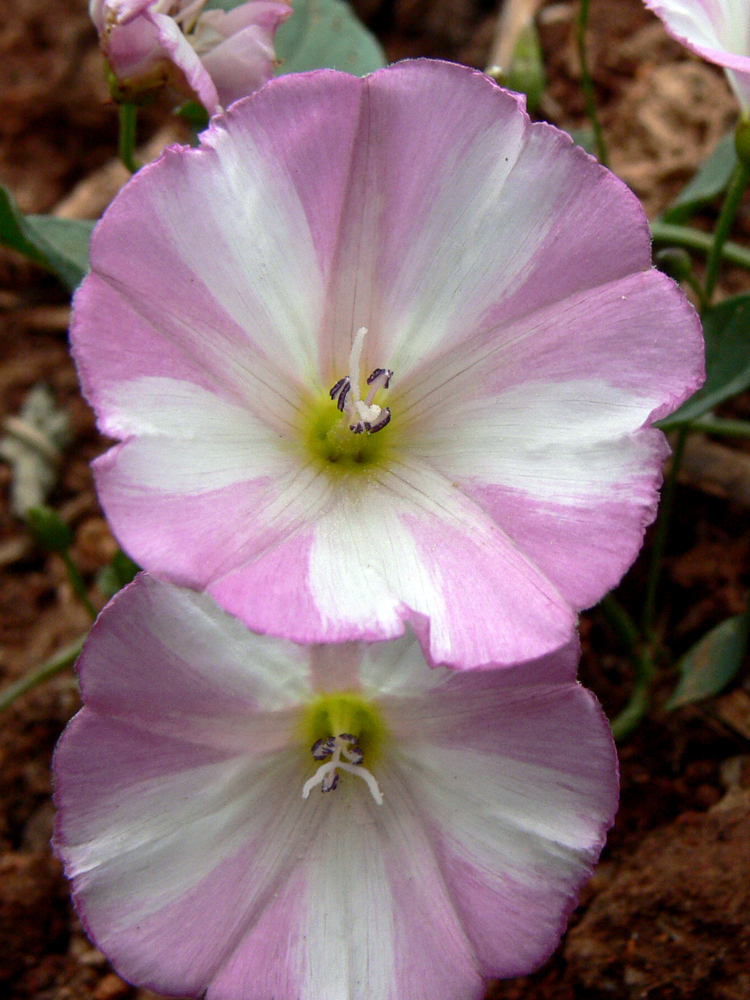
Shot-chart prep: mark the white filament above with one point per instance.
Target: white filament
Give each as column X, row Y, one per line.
column 336, row 763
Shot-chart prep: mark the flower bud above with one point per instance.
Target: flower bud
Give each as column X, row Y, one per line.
column 49, row 529
column 675, row 262
column 216, row 56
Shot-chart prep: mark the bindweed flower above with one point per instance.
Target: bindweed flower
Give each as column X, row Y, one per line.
column 262, row 820
column 383, row 350
column 717, row 30
column 217, row 55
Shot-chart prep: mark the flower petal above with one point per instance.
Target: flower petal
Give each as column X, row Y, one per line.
column 717, row 30
column 519, row 781
column 424, row 554
column 425, row 264
column 174, row 784
column 234, row 285
column 245, row 60
column 546, row 428
column 183, row 55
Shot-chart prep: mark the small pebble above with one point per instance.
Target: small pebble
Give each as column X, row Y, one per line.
column 111, row 987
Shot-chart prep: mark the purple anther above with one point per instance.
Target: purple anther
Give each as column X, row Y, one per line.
column 330, row 781
column 323, row 748
column 340, row 391
column 385, row 374
column 348, row 737
column 358, row 428
column 383, row 420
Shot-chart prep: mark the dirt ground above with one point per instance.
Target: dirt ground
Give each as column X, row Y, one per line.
column 667, row 914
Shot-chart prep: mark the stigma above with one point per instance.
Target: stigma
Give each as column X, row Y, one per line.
column 327, row 776
column 362, row 414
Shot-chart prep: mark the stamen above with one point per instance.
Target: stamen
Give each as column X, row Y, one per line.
column 327, row 775
column 340, row 391
column 330, row 781
column 324, row 748
column 364, row 415
column 379, row 379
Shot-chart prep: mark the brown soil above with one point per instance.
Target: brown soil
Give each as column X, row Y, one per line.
column 667, row 914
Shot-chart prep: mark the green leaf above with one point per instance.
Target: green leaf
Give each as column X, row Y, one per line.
column 711, row 664
column 726, row 329
column 326, row 34
column 707, row 184
column 59, row 245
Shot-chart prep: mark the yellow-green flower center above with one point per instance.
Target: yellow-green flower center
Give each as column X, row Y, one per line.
column 329, row 440
column 349, row 431
column 345, row 712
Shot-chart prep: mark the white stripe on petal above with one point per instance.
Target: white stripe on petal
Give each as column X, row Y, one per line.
column 347, row 943
column 365, row 568
column 560, row 441
column 245, row 236
column 191, row 440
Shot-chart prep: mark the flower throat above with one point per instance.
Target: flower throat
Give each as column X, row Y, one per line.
column 344, row 435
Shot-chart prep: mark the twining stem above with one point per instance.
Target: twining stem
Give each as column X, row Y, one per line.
column 587, row 84
column 54, row 665
column 128, row 122
column 694, row 239
column 729, row 209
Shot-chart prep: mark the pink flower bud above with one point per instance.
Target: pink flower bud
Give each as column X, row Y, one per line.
column 215, row 55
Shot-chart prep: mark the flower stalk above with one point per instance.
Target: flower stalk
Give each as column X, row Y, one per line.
column 128, row 126
column 732, row 200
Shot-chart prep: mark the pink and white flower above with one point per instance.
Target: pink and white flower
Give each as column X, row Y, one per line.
column 717, row 30
column 407, row 252
column 262, row 820
column 220, row 55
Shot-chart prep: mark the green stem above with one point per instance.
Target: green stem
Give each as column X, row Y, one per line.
column 729, row 209
column 57, row 663
column 640, row 698
column 621, row 624
column 719, row 425
column 587, row 84
column 660, row 538
column 699, row 293
column 694, row 239
column 76, row 582
column 128, row 121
